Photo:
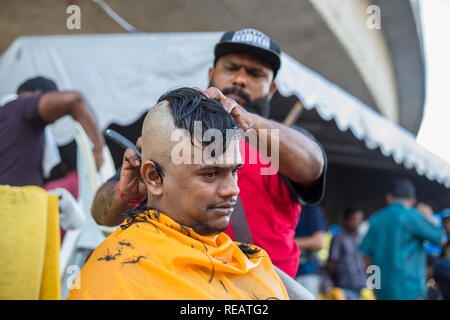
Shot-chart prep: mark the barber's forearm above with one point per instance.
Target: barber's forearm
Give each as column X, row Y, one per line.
column 107, row 204
column 84, row 115
column 300, row 158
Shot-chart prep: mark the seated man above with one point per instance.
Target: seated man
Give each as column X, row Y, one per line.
column 177, row 248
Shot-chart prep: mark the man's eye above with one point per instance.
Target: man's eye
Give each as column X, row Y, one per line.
column 209, row 174
column 256, row 74
column 231, row 68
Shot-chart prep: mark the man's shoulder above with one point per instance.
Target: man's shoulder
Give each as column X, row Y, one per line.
column 337, row 238
column 342, row 236
column 22, row 102
column 24, row 108
column 391, row 214
column 12, row 107
column 379, row 217
column 383, row 212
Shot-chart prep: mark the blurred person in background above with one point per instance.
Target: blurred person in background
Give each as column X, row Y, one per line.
column 433, row 253
column 441, row 272
column 395, row 243
column 309, row 236
column 345, row 262
column 30, row 215
column 22, row 124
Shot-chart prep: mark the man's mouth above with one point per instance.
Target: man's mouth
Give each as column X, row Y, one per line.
column 227, row 205
column 238, row 98
column 237, row 94
column 225, row 208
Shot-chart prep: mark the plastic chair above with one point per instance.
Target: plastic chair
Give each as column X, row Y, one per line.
column 78, row 243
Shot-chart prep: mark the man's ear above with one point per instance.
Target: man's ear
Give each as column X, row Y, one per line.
column 152, row 178
column 272, row 89
column 210, row 74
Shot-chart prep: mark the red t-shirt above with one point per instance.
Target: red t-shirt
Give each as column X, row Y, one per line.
column 272, row 213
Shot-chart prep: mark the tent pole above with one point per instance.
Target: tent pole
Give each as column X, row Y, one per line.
column 293, row 115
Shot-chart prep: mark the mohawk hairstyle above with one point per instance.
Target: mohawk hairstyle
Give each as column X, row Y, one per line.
column 189, row 105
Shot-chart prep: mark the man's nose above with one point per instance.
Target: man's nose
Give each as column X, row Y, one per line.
column 229, row 187
column 240, row 78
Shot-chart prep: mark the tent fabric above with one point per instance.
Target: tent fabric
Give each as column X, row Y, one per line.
column 122, row 76
column 333, row 103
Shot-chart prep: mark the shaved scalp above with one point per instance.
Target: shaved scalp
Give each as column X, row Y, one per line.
column 156, row 131
column 180, row 109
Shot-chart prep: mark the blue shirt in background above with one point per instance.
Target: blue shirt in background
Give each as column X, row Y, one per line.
column 312, row 219
column 395, row 243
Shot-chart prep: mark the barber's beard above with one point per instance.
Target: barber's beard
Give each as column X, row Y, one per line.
column 260, row 106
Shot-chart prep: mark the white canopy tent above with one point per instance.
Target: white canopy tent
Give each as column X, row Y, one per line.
column 122, row 75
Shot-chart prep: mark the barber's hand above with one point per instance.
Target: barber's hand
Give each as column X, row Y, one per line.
column 130, row 184
column 243, row 118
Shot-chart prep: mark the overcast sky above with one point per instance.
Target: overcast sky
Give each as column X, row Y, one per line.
column 434, row 133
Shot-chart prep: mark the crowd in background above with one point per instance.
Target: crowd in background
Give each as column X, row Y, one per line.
column 406, row 256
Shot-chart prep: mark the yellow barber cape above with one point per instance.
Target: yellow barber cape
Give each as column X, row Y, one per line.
column 29, row 244
column 153, row 257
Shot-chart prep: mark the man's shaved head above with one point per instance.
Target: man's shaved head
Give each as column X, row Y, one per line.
column 191, row 193
column 181, row 109
column 156, row 132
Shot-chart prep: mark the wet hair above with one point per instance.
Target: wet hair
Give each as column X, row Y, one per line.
column 38, row 83
column 189, row 105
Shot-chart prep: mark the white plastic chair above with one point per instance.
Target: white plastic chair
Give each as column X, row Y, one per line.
column 78, row 243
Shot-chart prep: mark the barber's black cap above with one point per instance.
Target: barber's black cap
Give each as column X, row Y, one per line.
column 402, row 188
column 250, row 41
column 38, row 83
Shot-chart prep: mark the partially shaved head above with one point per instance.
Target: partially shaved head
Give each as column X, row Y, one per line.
column 156, row 132
column 197, row 194
column 181, row 110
